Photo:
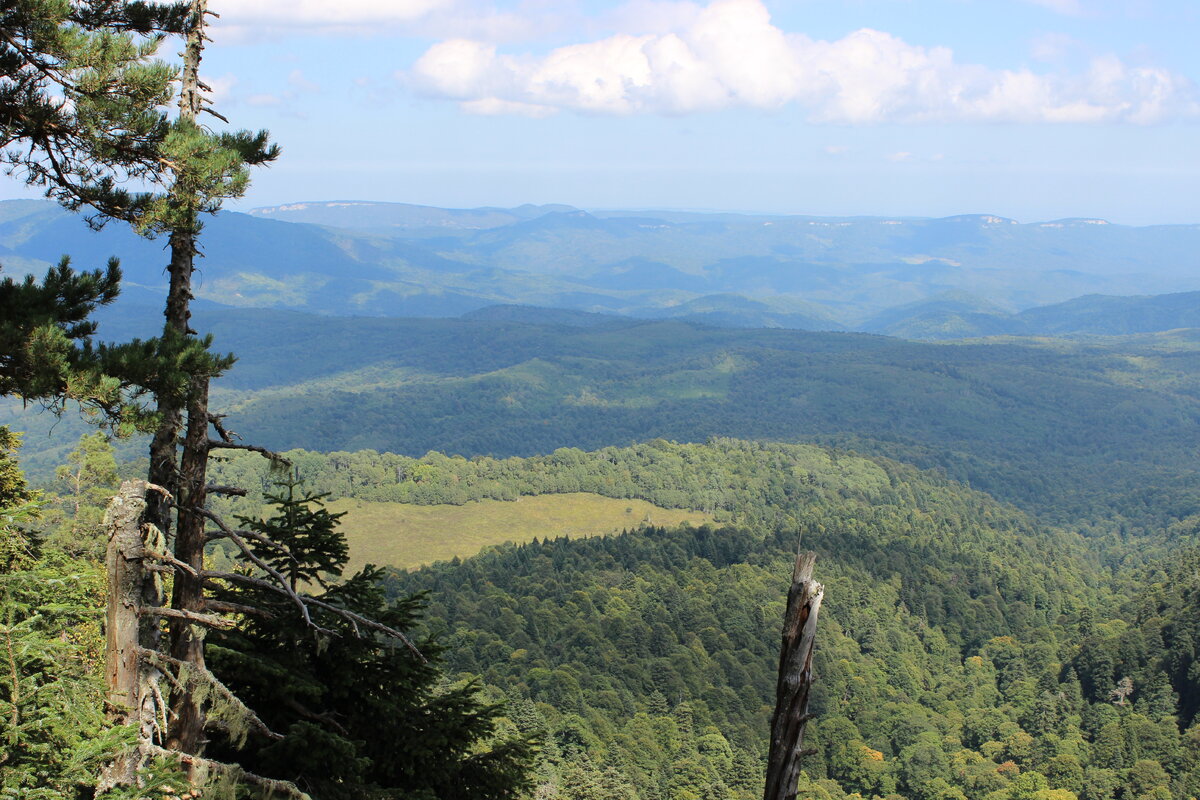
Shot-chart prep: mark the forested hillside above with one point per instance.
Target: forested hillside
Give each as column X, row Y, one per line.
column 1103, row 429
column 949, row 661
column 1070, row 430
column 966, row 650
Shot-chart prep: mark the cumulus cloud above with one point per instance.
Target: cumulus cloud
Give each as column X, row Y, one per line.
column 322, row 12
column 252, row 20
column 730, row 55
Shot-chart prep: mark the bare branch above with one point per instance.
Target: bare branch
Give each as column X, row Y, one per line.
column 284, row 586
column 226, row 435
column 213, row 536
column 208, row 620
column 172, row 560
column 284, row 590
column 217, row 444
column 223, row 607
column 284, row 788
column 232, row 491
column 160, row 660
column 355, row 620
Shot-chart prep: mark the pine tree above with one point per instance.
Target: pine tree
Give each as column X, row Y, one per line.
column 81, row 98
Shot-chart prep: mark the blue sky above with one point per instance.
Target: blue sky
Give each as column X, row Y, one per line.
column 1031, row 109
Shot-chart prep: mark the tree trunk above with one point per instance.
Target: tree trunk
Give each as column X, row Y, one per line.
column 795, row 679
column 187, row 642
column 163, row 448
column 189, row 479
column 132, row 682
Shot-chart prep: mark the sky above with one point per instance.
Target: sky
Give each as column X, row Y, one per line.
column 1029, row 109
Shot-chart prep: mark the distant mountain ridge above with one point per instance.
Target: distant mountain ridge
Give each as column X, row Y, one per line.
column 961, row 276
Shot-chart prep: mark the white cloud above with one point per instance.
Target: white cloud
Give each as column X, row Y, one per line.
column 654, row 16
column 900, row 157
column 836, row 149
column 335, row 14
column 730, row 55
column 492, row 107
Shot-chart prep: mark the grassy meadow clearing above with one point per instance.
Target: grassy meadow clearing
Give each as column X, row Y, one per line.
column 406, row 536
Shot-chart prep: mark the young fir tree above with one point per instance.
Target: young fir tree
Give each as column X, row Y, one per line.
column 84, row 486
column 361, row 716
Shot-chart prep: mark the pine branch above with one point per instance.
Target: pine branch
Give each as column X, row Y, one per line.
column 356, row 620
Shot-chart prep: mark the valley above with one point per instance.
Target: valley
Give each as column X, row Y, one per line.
column 514, row 490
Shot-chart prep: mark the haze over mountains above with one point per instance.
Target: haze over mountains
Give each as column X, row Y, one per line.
column 963, row 276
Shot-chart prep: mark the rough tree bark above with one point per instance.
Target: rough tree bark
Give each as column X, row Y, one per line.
column 188, row 480
column 133, row 588
column 182, row 241
column 187, row 641
column 795, row 679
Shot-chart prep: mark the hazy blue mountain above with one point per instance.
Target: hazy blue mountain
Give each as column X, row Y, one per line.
column 737, row 311
column 1116, row 315
column 903, row 277
column 956, row 316
column 391, row 217
column 535, row 315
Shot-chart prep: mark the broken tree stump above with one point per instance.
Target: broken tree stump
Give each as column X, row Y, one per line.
column 795, row 679
column 133, row 695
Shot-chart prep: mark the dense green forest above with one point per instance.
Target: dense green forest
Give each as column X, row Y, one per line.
column 967, row 650
column 1103, row 430
column 962, row 654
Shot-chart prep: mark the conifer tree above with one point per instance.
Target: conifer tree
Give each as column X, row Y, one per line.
column 357, row 715
column 81, row 115
column 85, row 485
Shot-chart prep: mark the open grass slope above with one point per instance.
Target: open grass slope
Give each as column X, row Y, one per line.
column 404, row 535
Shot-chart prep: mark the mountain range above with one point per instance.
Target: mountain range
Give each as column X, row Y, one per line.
column 964, row 276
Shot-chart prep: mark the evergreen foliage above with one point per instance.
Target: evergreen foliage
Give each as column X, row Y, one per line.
column 55, row 735
column 362, row 717
column 81, row 104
